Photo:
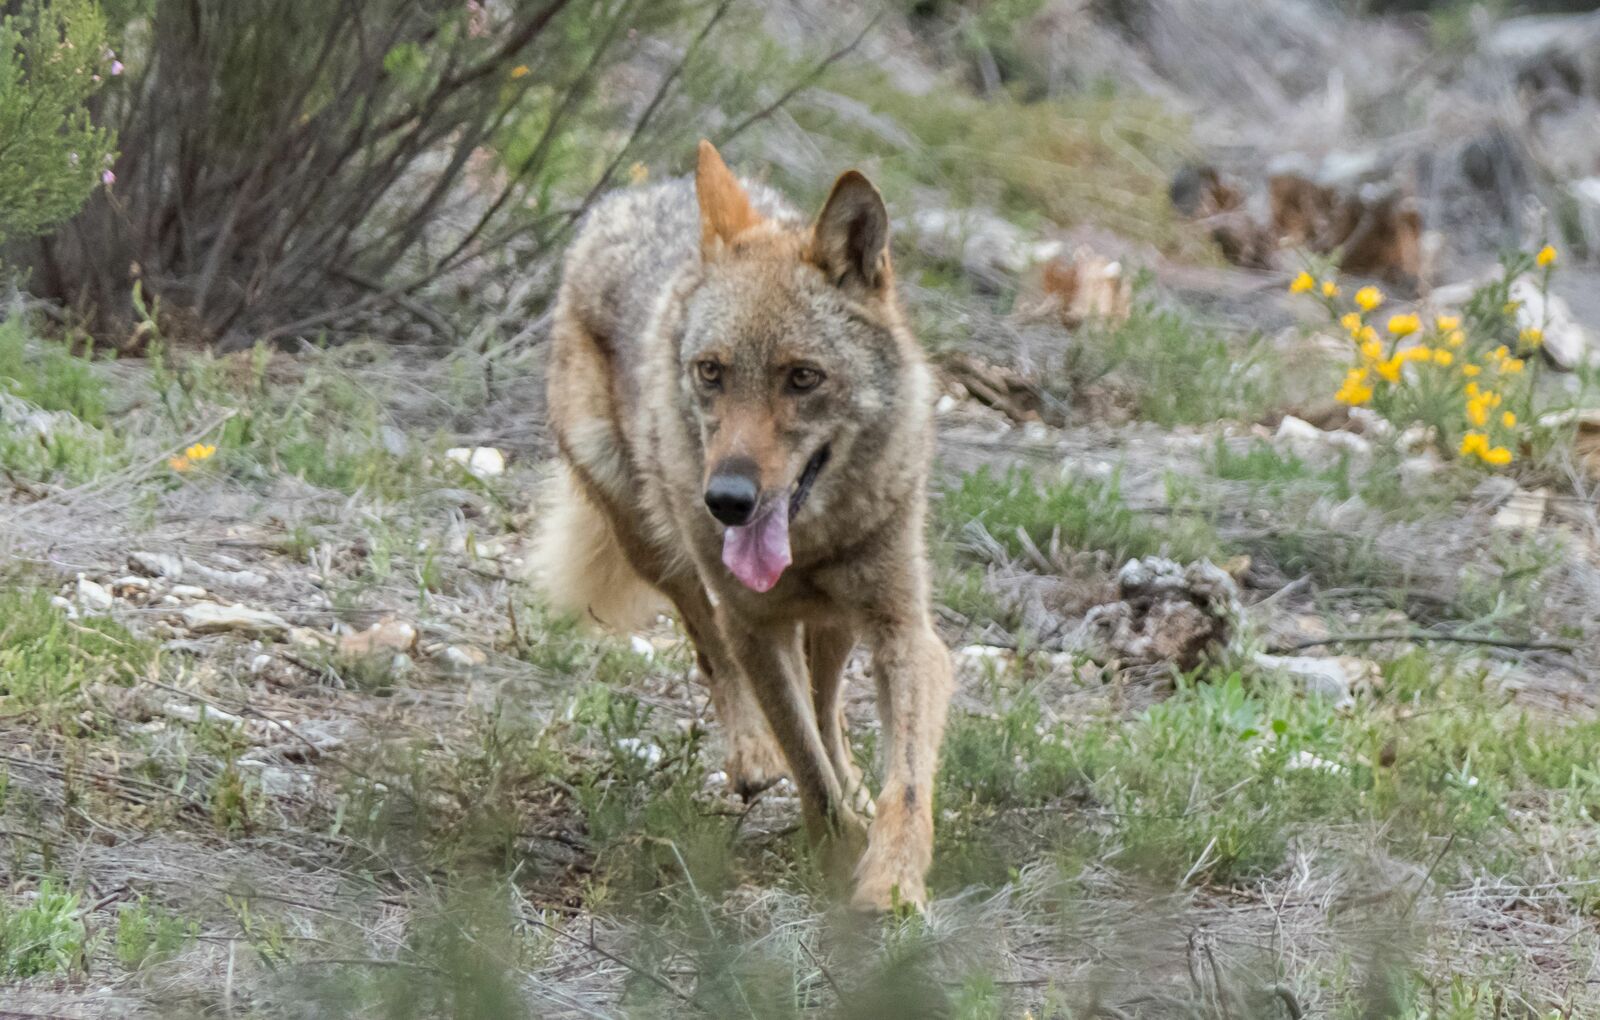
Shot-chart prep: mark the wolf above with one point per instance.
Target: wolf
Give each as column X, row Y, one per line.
column 745, row 424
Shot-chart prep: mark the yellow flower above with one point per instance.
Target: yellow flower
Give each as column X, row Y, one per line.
column 1474, row 442
column 1330, row 289
column 638, row 173
column 520, row 71
column 1499, row 456
column 1442, row 356
column 1546, row 256
column 1509, row 420
column 1302, row 283
column 1510, row 307
column 178, row 463
column 1404, row 325
column 1355, row 390
column 1351, row 321
column 1511, row 366
column 1472, row 389
column 1390, row 369
column 1368, row 298
column 1470, row 370
column 1533, row 336
column 199, row 452
column 1448, row 323
column 1368, row 335
column 1372, row 350
column 1477, row 413
column 1499, row 353
column 1421, row 352
column 1456, row 338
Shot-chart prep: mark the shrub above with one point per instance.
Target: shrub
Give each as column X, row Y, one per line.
column 292, row 170
column 53, row 58
column 1470, row 379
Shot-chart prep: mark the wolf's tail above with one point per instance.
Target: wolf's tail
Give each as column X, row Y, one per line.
column 580, row 567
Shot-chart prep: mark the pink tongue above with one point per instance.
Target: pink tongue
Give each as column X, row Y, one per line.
column 758, row 552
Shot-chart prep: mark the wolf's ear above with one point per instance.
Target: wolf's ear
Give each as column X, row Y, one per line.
column 850, row 240
column 725, row 209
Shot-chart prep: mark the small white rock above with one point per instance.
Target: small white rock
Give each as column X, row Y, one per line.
column 65, row 606
column 946, row 404
column 92, row 597
column 480, row 461
column 643, row 750
column 260, row 663
column 642, row 647
column 188, row 591
column 152, row 564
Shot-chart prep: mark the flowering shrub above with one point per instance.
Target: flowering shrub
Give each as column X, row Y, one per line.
column 1468, row 378
column 53, row 57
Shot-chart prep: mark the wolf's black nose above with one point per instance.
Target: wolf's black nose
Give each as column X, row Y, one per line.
column 731, row 494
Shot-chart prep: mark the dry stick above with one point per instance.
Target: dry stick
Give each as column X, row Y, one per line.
column 1460, row 639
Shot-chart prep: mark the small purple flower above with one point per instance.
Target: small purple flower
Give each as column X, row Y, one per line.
column 116, row 68
column 107, row 178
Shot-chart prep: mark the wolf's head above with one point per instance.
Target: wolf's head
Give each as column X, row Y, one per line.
column 789, row 358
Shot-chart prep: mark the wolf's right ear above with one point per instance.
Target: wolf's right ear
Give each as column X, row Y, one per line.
column 850, row 241
column 725, row 209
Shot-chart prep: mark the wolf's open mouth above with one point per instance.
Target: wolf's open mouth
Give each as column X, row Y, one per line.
column 757, row 553
column 802, row 487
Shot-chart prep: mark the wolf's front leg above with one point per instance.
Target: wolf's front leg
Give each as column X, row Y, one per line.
column 773, row 660
column 911, row 667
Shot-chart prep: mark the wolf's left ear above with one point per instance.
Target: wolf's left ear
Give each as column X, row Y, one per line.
column 850, row 241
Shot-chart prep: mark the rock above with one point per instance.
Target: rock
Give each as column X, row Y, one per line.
column 211, row 618
column 247, row 579
column 1308, row 442
column 479, row 461
column 1337, row 678
column 66, row 607
column 92, row 597
column 1566, row 344
column 129, row 584
column 988, row 247
column 1419, row 469
column 1522, row 511
column 1167, row 612
column 642, row 646
column 187, row 591
column 260, row 663
column 460, row 660
column 152, row 564
column 387, row 635
column 642, row 750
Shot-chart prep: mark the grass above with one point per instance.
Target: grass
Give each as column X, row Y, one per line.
column 1073, row 513
column 46, row 660
column 1174, row 371
column 53, row 380
column 42, row 933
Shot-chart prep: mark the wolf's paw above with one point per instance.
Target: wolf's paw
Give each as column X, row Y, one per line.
column 884, row 887
column 754, row 763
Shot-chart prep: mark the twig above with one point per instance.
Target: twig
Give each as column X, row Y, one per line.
column 803, row 84
column 1422, row 635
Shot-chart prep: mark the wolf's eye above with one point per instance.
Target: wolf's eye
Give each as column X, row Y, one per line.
column 708, row 372
column 803, row 379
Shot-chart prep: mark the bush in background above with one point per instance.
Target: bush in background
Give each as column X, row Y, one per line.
column 53, row 58
column 292, row 169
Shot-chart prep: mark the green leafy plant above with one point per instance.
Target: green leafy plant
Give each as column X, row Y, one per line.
column 53, row 58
